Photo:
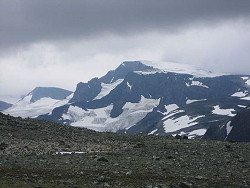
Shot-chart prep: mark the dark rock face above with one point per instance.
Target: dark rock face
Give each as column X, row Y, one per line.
column 241, row 127
column 52, row 92
column 237, row 129
column 88, row 91
column 216, row 132
column 4, row 105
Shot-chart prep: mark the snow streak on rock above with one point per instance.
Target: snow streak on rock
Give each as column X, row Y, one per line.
column 189, row 101
column 107, row 88
column 239, row 94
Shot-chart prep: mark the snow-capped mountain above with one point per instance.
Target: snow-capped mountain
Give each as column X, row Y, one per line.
column 155, row 98
column 39, row 101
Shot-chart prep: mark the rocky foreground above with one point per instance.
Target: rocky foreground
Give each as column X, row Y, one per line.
column 41, row 154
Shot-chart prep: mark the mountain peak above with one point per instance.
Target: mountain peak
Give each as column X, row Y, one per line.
column 131, row 63
column 123, row 69
column 52, row 92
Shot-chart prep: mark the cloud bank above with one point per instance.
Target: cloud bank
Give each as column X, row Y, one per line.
column 61, row 42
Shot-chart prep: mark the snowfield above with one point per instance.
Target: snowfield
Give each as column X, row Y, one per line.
column 172, row 124
column 100, row 120
column 107, row 88
column 175, row 124
column 24, row 108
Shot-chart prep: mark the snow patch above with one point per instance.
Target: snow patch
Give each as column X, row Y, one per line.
column 248, row 82
column 225, row 112
column 189, row 101
column 241, row 106
column 239, row 94
column 69, row 152
column 229, row 127
column 152, row 132
column 171, row 107
column 148, row 72
column 196, row 83
column 129, row 86
column 246, row 98
column 198, row 132
column 175, row 124
column 245, row 78
column 107, row 88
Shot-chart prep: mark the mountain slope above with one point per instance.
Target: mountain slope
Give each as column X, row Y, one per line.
column 89, row 91
column 235, row 129
column 137, row 98
column 39, row 101
column 4, row 105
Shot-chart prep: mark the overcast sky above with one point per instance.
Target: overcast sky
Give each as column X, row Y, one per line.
column 62, row 42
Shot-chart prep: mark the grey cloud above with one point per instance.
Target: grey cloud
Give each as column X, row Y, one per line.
column 25, row 21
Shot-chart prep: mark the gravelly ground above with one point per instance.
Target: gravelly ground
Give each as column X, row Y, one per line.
column 28, row 158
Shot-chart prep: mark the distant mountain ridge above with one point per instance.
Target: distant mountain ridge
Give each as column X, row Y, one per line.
column 138, row 98
column 4, row 105
column 51, row 92
column 39, row 101
column 147, row 97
